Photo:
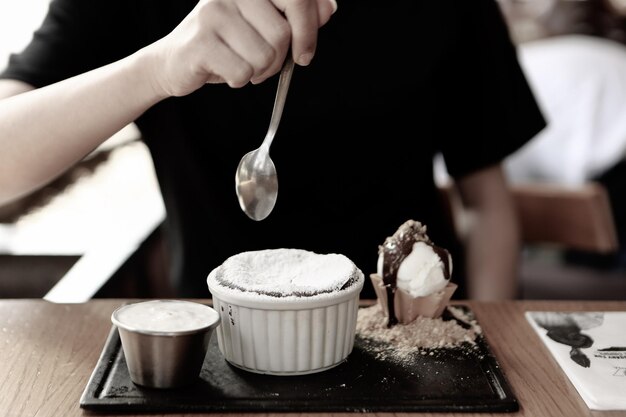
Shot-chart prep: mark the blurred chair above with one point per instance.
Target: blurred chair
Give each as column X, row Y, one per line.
column 565, row 217
column 570, row 217
column 553, row 220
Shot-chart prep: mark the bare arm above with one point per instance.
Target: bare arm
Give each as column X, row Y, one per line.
column 492, row 236
column 44, row 131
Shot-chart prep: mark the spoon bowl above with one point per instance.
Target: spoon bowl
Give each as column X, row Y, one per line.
column 256, row 183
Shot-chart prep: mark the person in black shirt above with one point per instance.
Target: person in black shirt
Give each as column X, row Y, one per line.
column 391, row 85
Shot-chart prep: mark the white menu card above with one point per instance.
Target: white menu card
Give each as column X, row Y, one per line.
column 590, row 347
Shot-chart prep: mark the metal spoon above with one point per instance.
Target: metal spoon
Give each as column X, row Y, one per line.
column 256, row 183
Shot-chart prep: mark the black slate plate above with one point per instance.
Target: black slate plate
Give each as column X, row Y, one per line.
column 449, row 380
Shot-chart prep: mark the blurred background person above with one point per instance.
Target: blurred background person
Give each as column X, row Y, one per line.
column 580, row 82
column 355, row 146
column 574, row 55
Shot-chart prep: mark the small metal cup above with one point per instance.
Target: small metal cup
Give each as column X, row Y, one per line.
column 165, row 359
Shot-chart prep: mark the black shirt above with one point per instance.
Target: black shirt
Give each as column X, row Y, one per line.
column 392, row 84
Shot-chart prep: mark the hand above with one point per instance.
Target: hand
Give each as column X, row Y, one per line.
column 235, row 42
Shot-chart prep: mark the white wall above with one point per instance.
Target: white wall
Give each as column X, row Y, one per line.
column 18, row 20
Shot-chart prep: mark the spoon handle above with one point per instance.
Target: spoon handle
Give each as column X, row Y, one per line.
column 279, row 101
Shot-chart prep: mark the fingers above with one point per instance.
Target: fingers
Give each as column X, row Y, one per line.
column 227, row 66
column 325, row 9
column 254, row 30
column 240, row 43
column 211, row 51
column 297, row 26
column 275, row 30
column 304, row 21
column 305, row 18
column 237, row 41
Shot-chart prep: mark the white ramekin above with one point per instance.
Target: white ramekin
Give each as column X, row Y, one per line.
column 286, row 335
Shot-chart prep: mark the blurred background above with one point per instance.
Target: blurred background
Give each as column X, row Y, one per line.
column 95, row 231
column 570, row 180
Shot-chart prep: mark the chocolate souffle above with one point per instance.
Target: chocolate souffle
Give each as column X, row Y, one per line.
column 286, row 311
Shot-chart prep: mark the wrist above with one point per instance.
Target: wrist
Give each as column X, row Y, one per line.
column 144, row 65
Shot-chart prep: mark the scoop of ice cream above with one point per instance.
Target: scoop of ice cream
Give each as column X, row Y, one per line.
column 409, row 260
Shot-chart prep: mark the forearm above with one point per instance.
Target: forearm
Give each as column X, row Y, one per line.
column 45, row 131
column 492, row 237
column 492, row 256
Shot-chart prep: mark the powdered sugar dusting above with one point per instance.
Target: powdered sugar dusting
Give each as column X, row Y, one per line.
column 286, row 272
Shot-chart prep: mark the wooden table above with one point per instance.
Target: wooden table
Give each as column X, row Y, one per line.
column 48, row 351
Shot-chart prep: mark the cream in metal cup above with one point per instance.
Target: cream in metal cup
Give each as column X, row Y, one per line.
column 165, row 341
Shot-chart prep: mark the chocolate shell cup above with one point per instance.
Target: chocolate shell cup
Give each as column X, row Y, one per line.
column 407, row 307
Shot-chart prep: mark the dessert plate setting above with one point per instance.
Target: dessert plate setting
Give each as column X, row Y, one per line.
column 459, row 379
column 293, row 336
